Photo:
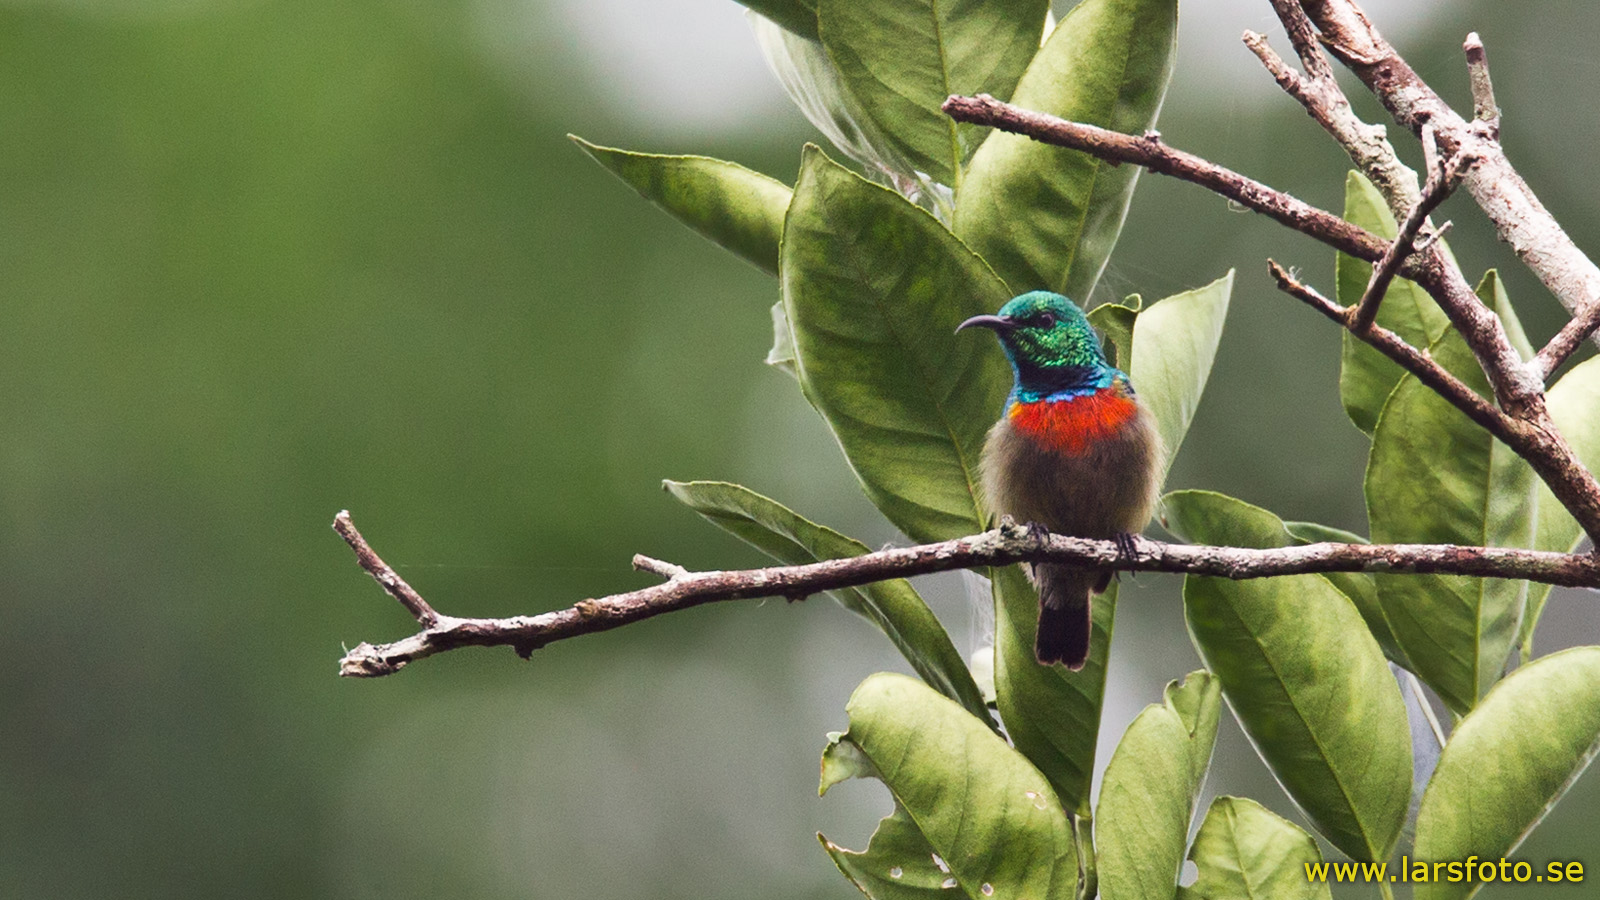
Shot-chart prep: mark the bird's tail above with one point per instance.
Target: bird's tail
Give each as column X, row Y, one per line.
column 1064, row 625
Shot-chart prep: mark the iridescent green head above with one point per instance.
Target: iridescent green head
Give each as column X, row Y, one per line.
column 1049, row 342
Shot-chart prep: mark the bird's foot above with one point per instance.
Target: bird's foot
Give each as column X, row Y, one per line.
column 1037, row 532
column 1127, row 545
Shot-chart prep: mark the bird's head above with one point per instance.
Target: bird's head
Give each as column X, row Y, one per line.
column 1049, row 342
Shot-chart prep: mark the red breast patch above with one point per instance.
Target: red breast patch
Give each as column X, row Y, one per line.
column 1073, row 426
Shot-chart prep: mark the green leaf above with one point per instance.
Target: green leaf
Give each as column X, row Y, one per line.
column 901, row 58
column 1150, row 789
column 894, row 606
column 1174, row 344
column 733, row 206
column 1051, row 713
column 1574, row 404
column 1203, row 512
column 874, row 288
column 798, row 16
column 1115, row 321
column 1047, row 217
column 1508, row 762
column 1366, row 377
column 991, row 818
column 1435, row 477
column 1244, row 850
column 1307, row 682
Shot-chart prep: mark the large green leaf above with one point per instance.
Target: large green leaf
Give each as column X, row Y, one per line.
column 1435, row 477
column 1051, row 713
column 991, row 818
column 1174, row 344
column 1309, row 685
column 1508, row 762
column 798, row 16
column 1245, row 851
column 739, row 209
column 1189, row 513
column 1574, row 404
column 874, row 288
column 1366, row 377
column 902, row 58
column 894, row 606
column 1047, row 217
column 1151, row 785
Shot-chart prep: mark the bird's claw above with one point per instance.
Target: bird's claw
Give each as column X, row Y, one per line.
column 1127, row 546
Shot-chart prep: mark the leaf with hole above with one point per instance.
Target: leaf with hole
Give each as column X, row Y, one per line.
column 1151, row 785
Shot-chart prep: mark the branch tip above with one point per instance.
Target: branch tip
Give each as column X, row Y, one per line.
column 1483, row 105
column 383, row 574
column 669, row 571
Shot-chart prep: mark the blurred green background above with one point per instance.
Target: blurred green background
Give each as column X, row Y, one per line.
column 261, row 261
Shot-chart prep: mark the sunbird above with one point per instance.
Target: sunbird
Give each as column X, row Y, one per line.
column 1074, row 452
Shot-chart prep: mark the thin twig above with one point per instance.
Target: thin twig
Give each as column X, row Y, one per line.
column 1566, row 341
column 1319, row 93
column 1483, row 105
column 380, row 571
column 1151, row 153
column 1408, row 357
column 1008, row 544
column 1441, row 181
column 1304, row 37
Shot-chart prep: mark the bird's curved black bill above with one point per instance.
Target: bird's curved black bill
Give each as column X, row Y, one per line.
column 1000, row 324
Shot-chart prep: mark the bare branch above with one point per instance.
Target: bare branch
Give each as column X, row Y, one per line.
column 1149, row 151
column 1319, row 93
column 1441, row 181
column 1566, row 342
column 1483, row 105
column 381, row 573
column 1519, row 218
column 1008, row 544
column 1304, row 37
column 1415, row 361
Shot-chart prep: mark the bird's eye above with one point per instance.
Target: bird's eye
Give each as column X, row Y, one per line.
column 1045, row 320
